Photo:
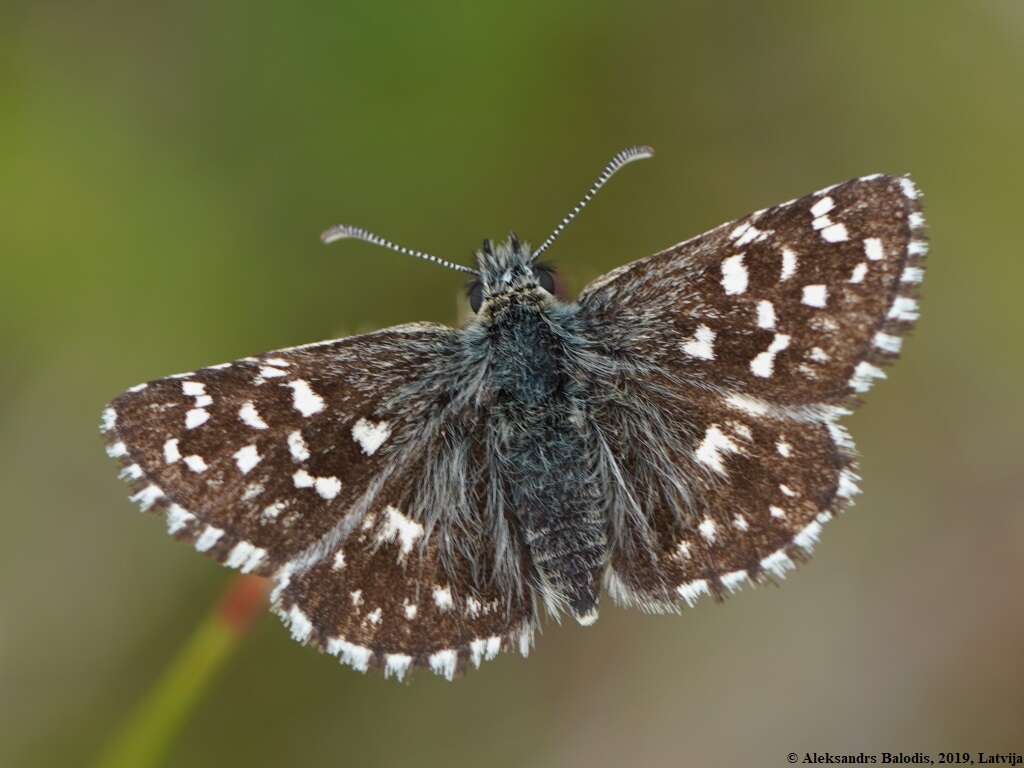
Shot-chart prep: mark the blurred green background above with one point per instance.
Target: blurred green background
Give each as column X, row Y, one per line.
column 164, row 173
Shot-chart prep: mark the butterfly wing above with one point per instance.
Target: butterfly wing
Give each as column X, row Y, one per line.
column 737, row 353
column 272, row 464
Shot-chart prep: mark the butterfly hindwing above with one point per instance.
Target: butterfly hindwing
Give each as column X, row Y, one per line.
column 758, row 490
column 382, row 598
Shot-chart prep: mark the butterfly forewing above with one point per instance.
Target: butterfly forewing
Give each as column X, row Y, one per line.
column 798, row 304
column 254, row 461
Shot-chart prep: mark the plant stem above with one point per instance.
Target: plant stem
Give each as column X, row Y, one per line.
column 146, row 737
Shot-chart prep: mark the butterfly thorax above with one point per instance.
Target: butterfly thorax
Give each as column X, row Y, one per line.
column 541, row 441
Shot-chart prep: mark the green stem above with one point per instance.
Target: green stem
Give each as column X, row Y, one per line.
column 146, row 737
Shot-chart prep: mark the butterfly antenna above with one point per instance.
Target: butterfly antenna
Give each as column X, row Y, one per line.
column 625, row 157
column 344, row 231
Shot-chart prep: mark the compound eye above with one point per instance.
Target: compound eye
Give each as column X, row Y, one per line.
column 546, row 278
column 476, row 297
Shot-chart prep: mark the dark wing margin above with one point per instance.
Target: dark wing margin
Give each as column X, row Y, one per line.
column 272, row 464
column 740, row 351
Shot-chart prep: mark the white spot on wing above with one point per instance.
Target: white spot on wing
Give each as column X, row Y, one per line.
column 396, row 665
column 245, row 556
column 917, row 248
column 401, row 528
column 443, row 598
column 903, row 308
column 815, row 295
column 196, row 417
column 702, row 344
column 299, row 624
column 859, row 272
column 765, row 314
column 912, row 275
column 246, row 458
column 788, row 264
column 370, row 436
column 356, row 656
column 874, row 249
column 848, row 484
column 271, row 511
column 887, row 342
column 193, row 388
column 109, row 419
column 131, row 472
column 171, row 452
column 823, row 206
column 306, row 401
column 715, row 443
column 708, row 529
column 250, row 416
column 785, row 449
column 177, row 518
column 693, row 591
column 751, row 235
column 208, row 538
column 147, row 497
column 734, row 275
column 819, row 355
column 808, row 537
column 734, row 580
column 266, row 372
column 834, row 233
column 777, row 512
column 864, row 375
column 909, row 188
column 195, row 463
column 297, row 446
column 328, row 487
column 764, row 363
column 117, row 450
column 778, row 563
column 443, row 663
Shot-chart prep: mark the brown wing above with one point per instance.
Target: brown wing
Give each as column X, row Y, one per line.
column 736, row 354
column 798, row 304
column 253, row 461
column 382, row 598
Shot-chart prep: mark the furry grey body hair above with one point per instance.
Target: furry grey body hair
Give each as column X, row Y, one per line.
column 518, row 450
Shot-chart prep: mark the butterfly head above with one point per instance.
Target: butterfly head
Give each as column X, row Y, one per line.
column 508, row 268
